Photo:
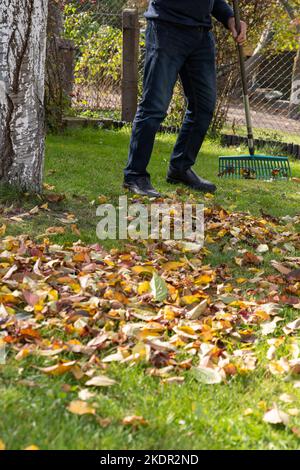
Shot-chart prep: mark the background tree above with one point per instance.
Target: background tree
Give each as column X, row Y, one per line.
column 22, row 66
column 292, row 8
column 59, row 78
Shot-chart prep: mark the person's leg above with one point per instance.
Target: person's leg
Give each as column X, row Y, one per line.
column 198, row 76
column 165, row 54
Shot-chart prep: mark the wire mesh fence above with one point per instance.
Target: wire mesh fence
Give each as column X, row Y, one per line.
column 273, row 91
column 96, row 29
column 273, row 64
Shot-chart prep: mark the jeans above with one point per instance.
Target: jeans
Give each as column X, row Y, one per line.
column 173, row 51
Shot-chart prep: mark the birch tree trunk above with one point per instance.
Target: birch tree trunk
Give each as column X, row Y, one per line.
column 22, row 70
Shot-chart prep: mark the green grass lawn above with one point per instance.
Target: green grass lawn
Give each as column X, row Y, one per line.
column 83, row 165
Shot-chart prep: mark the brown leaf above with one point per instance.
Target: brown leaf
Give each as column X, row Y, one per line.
column 55, row 230
column 280, row 267
column 251, row 258
column 55, row 197
column 134, row 421
column 104, row 422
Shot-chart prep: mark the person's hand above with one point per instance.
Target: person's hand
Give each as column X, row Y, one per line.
column 239, row 38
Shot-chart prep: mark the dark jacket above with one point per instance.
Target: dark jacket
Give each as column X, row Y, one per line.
column 190, row 12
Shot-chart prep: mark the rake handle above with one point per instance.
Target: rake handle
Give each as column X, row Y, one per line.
column 244, row 78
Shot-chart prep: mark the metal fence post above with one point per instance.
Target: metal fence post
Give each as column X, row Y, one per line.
column 131, row 34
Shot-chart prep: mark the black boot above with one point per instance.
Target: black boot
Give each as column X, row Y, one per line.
column 141, row 186
column 190, row 179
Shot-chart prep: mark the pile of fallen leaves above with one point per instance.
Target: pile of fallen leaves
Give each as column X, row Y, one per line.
column 81, row 307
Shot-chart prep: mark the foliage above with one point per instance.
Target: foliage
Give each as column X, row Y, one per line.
column 179, row 411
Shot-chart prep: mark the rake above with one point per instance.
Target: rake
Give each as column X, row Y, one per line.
column 252, row 166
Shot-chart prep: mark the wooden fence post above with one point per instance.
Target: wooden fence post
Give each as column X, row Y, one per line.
column 131, row 35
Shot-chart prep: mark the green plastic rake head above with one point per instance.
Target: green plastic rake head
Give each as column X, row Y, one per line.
column 251, row 166
column 260, row 167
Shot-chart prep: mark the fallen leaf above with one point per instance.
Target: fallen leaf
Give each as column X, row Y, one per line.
column 58, row 369
column 79, row 407
column 2, row 445
column 207, row 375
column 280, row 267
column 100, row 381
column 287, row 398
column 104, row 422
column 197, row 311
column 134, row 421
column 158, row 288
column 262, row 248
column 55, row 230
column 55, row 197
column 276, row 416
column 85, row 394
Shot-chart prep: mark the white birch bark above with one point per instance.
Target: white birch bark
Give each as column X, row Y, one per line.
column 22, row 71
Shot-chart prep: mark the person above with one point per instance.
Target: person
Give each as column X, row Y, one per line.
column 179, row 42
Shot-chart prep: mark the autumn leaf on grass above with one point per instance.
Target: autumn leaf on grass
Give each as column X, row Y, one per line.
column 58, row 369
column 100, row 381
column 159, row 288
column 104, row 422
column 55, row 197
column 263, row 248
column 134, row 421
column 280, row 267
column 2, row 445
column 31, row 447
column 55, row 230
column 276, row 416
column 79, row 407
column 251, row 258
column 206, row 375
column 85, row 394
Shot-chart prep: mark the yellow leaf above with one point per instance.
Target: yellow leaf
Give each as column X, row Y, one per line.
column 169, row 314
column 53, row 295
column 209, row 239
column 204, row 279
column 79, row 407
column 222, row 233
column 143, row 269
column 32, row 447
column 2, row 230
column 189, row 299
column 58, row 369
column 143, row 287
column 172, row 265
column 2, row 445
